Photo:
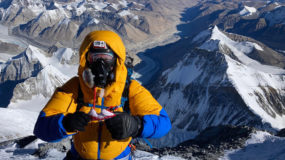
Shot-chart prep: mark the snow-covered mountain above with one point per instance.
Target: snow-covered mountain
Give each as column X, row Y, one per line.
column 34, row 73
column 261, row 20
column 44, row 22
column 27, row 82
column 219, row 83
column 223, row 79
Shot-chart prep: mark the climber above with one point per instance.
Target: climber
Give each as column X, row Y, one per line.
column 92, row 108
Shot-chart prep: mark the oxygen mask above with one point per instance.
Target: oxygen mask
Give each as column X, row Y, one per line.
column 100, row 66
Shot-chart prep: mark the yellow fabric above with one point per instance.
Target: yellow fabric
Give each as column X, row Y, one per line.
column 64, row 101
column 114, row 91
column 141, row 101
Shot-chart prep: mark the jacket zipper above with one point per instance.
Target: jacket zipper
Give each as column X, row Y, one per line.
column 99, row 138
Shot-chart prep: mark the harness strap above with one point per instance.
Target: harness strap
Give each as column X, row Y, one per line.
column 123, row 100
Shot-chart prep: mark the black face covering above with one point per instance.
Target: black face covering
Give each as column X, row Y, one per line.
column 103, row 72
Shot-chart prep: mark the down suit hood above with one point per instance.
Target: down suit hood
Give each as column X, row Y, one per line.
column 114, row 91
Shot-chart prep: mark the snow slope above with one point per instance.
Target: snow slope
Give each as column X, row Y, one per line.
column 217, row 83
column 16, row 123
column 261, row 146
column 39, row 75
column 249, row 76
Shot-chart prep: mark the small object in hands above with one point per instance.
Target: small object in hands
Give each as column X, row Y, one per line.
column 124, row 125
column 73, row 122
column 105, row 114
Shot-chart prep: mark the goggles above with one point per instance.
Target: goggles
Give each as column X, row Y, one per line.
column 107, row 57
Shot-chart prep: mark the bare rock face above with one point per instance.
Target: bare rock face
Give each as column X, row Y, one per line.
column 260, row 24
column 10, row 48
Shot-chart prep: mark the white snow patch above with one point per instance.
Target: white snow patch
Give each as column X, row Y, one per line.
column 59, row 60
column 178, row 75
column 176, row 135
column 16, row 123
column 64, row 54
column 277, row 5
column 5, row 56
column 51, row 14
column 256, row 46
column 125, row 13
column 201, row 36
column 79, row 9
column 136, row 17
column 247, row 11
column 36, row 104
column 99, row 6
column 37, row 9
column 115, row 6
column 142, row 155
column 94, row 21
column 128, row 13
column 211, row 45
column 124, row 3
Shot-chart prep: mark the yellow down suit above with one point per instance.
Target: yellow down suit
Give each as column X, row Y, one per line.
column 95, row 143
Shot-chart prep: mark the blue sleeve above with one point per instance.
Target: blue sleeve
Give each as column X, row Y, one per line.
column 50, row 128
column 156, row 126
